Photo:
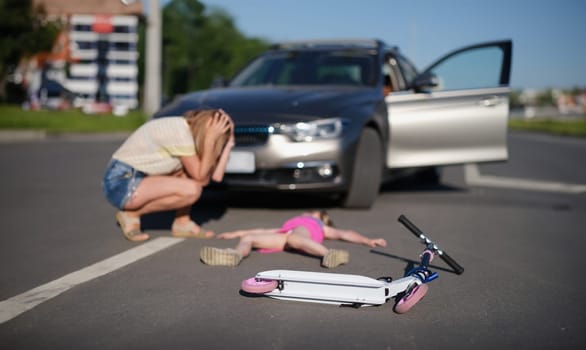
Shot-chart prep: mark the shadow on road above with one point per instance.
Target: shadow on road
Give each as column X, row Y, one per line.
column 415, row 185
column 411, row 263
column 216, row 201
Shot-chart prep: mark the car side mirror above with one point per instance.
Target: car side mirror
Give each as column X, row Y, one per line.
column 425, row 81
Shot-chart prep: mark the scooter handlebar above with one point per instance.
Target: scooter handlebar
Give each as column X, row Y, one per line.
column 409, row 225
column 453, row 264
column 442, row 254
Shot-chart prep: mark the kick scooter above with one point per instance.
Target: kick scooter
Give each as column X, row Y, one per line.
column 354, row 290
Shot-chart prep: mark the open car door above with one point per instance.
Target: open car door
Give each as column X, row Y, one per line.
column 455, row 112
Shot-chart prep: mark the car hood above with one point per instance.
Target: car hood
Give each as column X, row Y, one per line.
column 261, row 105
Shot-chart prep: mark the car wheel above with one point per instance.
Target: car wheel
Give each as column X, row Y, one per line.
column 366, row 173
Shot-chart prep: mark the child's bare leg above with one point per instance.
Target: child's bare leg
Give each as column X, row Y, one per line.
column 267, row 241
column 243, row 248
column 233, row 256
column 300, row 241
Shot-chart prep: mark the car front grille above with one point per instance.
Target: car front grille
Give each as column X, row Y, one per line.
column 251, row 135
column 284, row 179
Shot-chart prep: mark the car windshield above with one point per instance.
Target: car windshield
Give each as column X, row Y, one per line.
column 347, row 67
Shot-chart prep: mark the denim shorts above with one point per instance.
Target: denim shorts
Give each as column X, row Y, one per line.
column 120, row 182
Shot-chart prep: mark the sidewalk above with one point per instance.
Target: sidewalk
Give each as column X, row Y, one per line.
column 14, row 136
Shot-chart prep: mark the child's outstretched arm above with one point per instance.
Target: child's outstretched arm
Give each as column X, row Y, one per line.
column 353, row 237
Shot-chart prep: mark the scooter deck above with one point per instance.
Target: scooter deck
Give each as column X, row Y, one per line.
column 332, row 288
column 321, row 277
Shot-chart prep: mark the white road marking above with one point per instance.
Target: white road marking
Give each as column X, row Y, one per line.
column 10, row 308
column 474, row 178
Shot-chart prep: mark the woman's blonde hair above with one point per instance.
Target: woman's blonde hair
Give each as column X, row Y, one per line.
column 198, row 123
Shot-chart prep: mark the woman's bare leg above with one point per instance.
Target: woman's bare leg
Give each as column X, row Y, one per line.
column 161, row 193
column 182, row 215
column 184, row 227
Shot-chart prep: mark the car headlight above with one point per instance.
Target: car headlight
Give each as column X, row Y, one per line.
column 310, row 131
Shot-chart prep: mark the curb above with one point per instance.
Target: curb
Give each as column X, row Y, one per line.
column 8, row 136
column 15, row 136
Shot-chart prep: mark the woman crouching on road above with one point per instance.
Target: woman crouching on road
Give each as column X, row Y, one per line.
column 164, row 165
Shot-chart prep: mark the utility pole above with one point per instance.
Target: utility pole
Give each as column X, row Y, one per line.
column 152, row 75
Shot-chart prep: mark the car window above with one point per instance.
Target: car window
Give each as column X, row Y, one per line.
column 392, row 78
column 349, row 67
column 258, row 72
column 479, row 68
column 408, row 69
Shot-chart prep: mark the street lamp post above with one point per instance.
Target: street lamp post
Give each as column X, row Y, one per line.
column 152, row 74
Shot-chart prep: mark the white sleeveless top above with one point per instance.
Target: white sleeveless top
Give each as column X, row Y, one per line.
column 155, row 147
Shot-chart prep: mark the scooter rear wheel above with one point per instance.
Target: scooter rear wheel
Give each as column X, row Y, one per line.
column 258, row 285
column 411, row 298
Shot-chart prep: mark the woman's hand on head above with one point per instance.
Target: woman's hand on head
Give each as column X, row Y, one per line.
column 219, row 124
column 231, row 126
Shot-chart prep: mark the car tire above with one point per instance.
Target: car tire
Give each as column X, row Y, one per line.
column 367, row 172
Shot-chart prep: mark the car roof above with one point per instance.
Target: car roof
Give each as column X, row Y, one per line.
column 373, row 44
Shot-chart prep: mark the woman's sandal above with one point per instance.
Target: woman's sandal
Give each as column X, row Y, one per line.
column 133, row 235
column 187, row 231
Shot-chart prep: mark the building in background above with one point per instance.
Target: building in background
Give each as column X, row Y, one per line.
column 103, row 67
column 98, row 53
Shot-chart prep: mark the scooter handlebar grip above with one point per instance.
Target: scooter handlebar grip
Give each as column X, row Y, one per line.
column 418, row 233
column 411, row 226
column 453, row 264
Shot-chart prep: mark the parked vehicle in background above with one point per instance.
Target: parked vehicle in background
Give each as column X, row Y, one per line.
column 341, row 117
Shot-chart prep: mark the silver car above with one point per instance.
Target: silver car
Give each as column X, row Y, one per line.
column 341, row 117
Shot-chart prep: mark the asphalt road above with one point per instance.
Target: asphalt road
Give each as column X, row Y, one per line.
column 521, row 243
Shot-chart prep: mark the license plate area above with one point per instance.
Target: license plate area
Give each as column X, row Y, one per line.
column 241, row 162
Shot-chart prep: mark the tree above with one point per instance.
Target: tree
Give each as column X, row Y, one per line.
column 25, row 32
column 515, row 100
column 198, row 47
column 545, row 98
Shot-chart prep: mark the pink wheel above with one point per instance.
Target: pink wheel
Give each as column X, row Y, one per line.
column 408, row 301
column 258, row 285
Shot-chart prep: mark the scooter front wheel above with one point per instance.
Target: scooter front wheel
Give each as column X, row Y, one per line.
column 411, row 298
column 258, row 285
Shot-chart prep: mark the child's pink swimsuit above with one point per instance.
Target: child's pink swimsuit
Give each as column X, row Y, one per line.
column 313, row 225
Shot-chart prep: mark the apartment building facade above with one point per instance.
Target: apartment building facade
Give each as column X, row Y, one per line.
column 100, row 64
column 103, row 64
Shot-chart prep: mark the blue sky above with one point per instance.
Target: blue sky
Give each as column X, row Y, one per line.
column 549, row 36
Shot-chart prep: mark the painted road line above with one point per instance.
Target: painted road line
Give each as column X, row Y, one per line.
column 10, row 308
column 474, row 178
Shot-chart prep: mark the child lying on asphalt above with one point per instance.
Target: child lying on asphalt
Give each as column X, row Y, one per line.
column 304, row 233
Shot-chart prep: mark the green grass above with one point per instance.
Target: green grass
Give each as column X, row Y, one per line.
column 70, row 121
column 14, row 117
column 573, row 127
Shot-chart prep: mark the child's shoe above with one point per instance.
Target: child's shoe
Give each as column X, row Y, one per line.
column 219, row 257
column 335, row 257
